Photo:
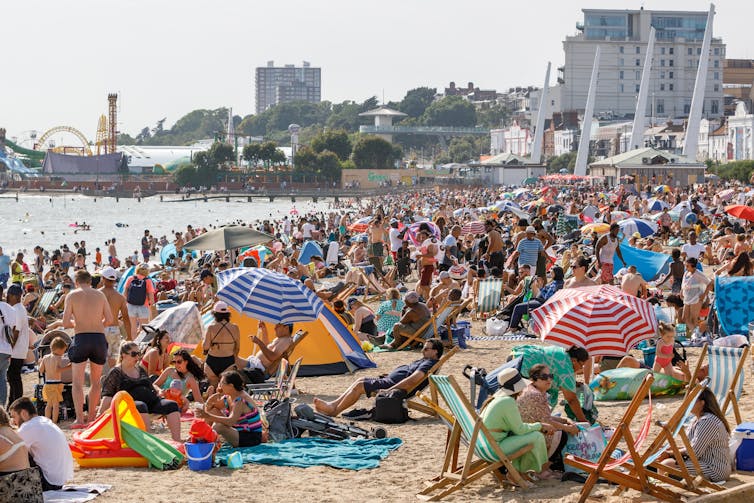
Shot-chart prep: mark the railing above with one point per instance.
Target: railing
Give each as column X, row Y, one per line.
column 422, row 130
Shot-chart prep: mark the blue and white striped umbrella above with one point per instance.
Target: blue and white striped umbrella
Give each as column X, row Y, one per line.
column 655, row 204
column 267, row 295
column 643, row 227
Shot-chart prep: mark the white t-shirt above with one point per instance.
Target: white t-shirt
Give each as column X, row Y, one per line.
column 21, row 349
column 49, row 448
column 395, row 241
column 9, row 315
column 693, row 251
column 307, row 229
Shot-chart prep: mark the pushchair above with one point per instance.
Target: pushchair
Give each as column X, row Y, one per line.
column 67, row 410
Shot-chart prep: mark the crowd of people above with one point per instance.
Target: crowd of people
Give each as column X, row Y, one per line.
column 415, row 252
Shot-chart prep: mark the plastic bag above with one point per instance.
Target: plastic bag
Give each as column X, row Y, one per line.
column 496, row 327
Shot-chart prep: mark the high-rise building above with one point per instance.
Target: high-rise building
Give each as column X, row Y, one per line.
column 622, row 36
column 275, row 84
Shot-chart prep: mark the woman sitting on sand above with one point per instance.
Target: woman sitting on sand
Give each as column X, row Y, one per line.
column 185, row 370
column 534, row 407
column 363, row 320
column 232, row 412
column 709, row 435
column 157, row 357
column 501, row 416
column 389, row 312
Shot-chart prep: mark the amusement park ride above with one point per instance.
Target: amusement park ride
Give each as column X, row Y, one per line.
column 105, row 143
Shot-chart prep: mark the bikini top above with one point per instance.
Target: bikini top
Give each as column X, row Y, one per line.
column 224, row 326
column 14, row 447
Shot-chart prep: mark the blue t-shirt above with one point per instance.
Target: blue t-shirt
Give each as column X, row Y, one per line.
column 528, row 251
column 4, row 264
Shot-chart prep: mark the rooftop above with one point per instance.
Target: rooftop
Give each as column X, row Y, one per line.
column 382, row 111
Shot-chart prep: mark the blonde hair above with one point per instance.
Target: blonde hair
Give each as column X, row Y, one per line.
column 665, row 327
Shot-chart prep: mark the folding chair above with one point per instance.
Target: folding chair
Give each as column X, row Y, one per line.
column 415, row 404
column 44, row 303
column 429, row 329
column 278, row 388
column 726, row 374
column 488, row 294
column 614, row 470
column 370, row 283
column 481, row 444
column 344, row 293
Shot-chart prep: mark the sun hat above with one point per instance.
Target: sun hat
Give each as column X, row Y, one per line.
column 411, row 297
column 458, row 272
column 109, row 273
column 220, row 307
column 531, row 229
column 511, row 382
column 637, row 235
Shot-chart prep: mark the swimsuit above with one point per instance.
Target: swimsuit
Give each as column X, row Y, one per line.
column 219, row 363
column 665, row 356
column 249, row 425
column 90, row 346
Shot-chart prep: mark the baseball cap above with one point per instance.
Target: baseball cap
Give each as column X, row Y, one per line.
column 531, row 229
column 220, row 307
column 109, row 273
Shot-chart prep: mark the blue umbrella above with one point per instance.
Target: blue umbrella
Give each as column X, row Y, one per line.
column 309, row 249
column 267, row 295
column 657, row 204
column 643, row 227
column 167, row 250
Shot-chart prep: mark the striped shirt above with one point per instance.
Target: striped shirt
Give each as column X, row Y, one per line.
column 709, row 440
column 528, row 251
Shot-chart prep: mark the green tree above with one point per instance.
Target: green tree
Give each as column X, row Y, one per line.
column 185, row 175
column 737, row 170
column 305, row 160
column 452, row 111
column 328, row 165
column 336, row 142
column 417, row 100
column 372, row 152
column 251, row 153
column 462, row 149
column 493, row 115
column 220, row 153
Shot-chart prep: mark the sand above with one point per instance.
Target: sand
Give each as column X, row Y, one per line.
column 399, row 476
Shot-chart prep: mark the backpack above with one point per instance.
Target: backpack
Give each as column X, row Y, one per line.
column 390, row 407
column 137, row 293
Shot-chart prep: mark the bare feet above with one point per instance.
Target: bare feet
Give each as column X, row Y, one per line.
column 324, row 407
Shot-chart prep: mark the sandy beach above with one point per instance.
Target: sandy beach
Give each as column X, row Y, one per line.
column 399, row 476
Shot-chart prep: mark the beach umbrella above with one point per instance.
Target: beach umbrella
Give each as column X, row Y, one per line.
column 662, row 189
column 460, row 212
column 308, row 250
column 293, row 211
column 726, row 195
column 476, row 227
column 228, row 238
column 619, row 215
column 657, row 204
column 267, row 295
column 598, row 227
column 674, row 216
column 741, row 211
column 603, row 319
column 413, row 229
column 360, row 225
column 503, row 205
column 555, row 208
column 166, row 252
column 631, row 225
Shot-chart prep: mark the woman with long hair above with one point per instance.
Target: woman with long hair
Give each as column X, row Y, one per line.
column 157, row 357
column 187, row 371
column 221, row 344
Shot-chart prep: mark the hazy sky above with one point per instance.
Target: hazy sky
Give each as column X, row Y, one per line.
column 166, row 58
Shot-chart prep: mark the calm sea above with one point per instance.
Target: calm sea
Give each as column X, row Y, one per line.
column 48, row 221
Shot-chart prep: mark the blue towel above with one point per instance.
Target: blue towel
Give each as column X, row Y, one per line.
column 734, row 303
column 306, row 452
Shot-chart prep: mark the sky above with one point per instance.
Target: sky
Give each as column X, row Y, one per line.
column 168, row 57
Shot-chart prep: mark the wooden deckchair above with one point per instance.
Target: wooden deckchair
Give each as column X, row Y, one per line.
column 614, row 470
column 344, row 293
column 488, row 293
column 481, row 444
column 370, row 283
column 726, row 374
column 412, row 401
column 444, row 314
column 44, row 303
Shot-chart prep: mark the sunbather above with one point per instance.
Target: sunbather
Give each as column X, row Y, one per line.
column 405, row 377
column 232, row 412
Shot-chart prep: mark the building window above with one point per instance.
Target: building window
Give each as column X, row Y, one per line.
column 620, row 75
column 662, row 62
column 620, row 49
column 670, row 87
column 686, row 108
column 637, row 88
column 717, row 88
column 670, row 62
column 638, row 62
column 716, row 51
column 698, row 51
column 620, row 88
column 716, row 75
column 638, row 75
column 620, row 62
column 716, row 63
column 637, row 50
column 662, row 75
column 670, row 75
column 662, row 87
column 660, row 107
column 670, row 51
column 691, row 63
column 662, row 51
column 691, row 51
column 715, row 107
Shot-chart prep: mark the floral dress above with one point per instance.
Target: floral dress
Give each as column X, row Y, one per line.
column 385, row 322
column 534, row 407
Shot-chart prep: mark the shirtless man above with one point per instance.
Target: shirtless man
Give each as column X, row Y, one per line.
column 427, row 258
column 118, row 306
column 439, row 293
column 377, row 237
column 87, row 312
column 579, row 274
column 258, row 365
column 494, row 246
column 632, row 283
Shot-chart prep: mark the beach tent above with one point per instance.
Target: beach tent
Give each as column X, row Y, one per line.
column 330, row 347
column 308, row 250
column 183, row 322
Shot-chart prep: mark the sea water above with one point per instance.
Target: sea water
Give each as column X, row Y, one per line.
column 49, row 221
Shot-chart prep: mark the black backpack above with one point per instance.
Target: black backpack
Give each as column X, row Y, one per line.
column 137, row 292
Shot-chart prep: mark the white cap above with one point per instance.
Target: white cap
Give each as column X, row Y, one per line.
column 108, row 272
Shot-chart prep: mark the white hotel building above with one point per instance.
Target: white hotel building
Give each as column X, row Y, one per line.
column 623, row 36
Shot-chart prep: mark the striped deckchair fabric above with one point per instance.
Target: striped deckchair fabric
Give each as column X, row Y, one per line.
column 726, row 375
column 488, row 294
column 468, row 426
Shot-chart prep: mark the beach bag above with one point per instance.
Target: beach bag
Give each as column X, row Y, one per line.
column 390, row 407
column 8, row 332
column 495, row 327
column 587, row 444
column 137, row 292
column 278, row 420
column 24, row 485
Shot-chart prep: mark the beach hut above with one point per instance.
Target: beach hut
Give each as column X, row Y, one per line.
column 330, row 348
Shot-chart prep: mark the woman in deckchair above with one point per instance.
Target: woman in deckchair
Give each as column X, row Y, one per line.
column 502, row 417
column 709, row 435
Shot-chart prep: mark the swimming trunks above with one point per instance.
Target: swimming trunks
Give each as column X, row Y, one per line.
column 88, row 346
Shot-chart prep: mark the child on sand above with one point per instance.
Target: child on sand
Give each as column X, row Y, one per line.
column 664, row 354
column 51, row 366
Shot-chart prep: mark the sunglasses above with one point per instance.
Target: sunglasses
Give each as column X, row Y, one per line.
column 133, row 353
column 544, row 377
column 176, row 362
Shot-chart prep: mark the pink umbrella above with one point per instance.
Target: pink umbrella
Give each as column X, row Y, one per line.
column 475, row 227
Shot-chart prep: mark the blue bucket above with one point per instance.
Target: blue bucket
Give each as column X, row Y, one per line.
column 199, row 455
column 466, row 325
column 649, row 356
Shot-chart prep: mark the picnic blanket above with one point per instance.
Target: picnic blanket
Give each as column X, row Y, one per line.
column 734, row 302
column 75, row 493
column 305, row 452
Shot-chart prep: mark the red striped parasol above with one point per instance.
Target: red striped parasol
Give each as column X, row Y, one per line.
column 475, row 227
column 603, row 319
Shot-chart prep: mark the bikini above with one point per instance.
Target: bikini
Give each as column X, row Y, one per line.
column 665, row 356
column 10, row 452
column 219, row 363
column 249, row 425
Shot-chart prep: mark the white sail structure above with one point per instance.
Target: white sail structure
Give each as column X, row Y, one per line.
column 637, row 133
column 582, row 155
column 539, row 134
column 691, row 143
